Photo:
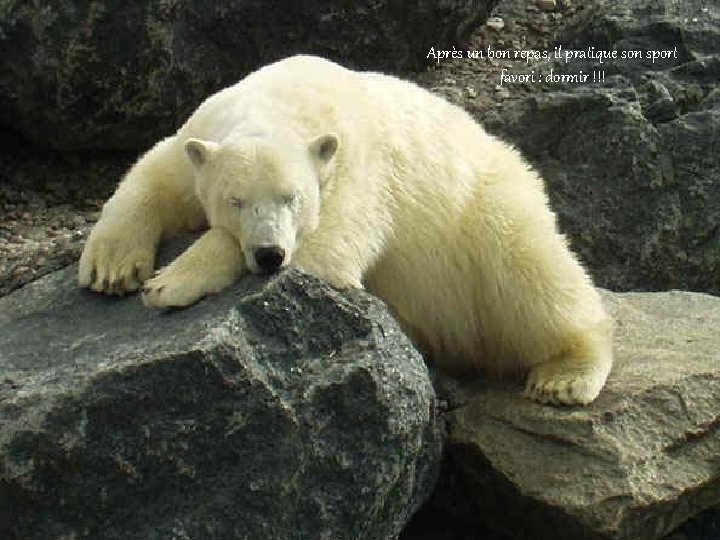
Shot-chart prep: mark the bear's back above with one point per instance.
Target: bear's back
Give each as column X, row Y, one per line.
column 306, row 94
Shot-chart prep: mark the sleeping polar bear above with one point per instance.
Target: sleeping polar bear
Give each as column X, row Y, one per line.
column 364, row 180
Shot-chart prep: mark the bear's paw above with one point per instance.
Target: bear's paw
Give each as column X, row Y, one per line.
column 172, row 287
column 565, row 383
column 117, row 258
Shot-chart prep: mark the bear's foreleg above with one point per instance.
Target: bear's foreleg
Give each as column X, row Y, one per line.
column 334, row 266
column 214, row 262
column 156, row 199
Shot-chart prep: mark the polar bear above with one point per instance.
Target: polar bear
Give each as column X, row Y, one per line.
column 364, row 180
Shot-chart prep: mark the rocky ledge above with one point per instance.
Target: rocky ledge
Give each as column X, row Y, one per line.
column 287, row 409
column 282, row 411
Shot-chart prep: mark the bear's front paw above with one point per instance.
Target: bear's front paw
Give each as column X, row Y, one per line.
column 117, row 257
column 562, row 384
column 171, row 288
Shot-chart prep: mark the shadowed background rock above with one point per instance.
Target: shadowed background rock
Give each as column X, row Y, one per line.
column 120, row 75
column 632, row 162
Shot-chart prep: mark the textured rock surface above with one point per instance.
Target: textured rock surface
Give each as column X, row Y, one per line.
column 641, row 460
column 119, row 75
column 632, row 164
column 295, row 412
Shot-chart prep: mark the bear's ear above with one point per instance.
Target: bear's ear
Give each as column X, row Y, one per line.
column 323, row 148
column 200, row 151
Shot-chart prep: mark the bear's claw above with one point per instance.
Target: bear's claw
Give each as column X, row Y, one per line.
column 114, row 262
column 171, row 288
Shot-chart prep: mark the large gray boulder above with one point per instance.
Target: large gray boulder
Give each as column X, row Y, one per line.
column 119, row 75
column 289, row 411
column 634, row 465
column 633, row 163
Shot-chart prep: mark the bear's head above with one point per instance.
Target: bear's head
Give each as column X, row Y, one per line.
column 263, row 190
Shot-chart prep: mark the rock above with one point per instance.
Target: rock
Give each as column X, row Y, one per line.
column 107, row 75
column 547, row 5
column 705, row 526
column 632, row 161
column 634, row 465
column 285, row 412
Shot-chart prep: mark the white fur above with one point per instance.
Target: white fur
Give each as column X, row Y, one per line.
column 364, row 179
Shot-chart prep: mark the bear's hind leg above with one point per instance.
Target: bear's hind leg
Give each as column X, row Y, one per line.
column 538, row 303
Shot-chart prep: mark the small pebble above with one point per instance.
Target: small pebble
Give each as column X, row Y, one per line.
column 497, row 23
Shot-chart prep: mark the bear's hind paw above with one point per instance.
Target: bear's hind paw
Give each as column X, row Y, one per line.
column 560, row 384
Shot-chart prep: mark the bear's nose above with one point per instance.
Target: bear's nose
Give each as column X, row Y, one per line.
column 269, row 258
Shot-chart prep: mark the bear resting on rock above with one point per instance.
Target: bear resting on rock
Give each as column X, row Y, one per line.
column 364, row 180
